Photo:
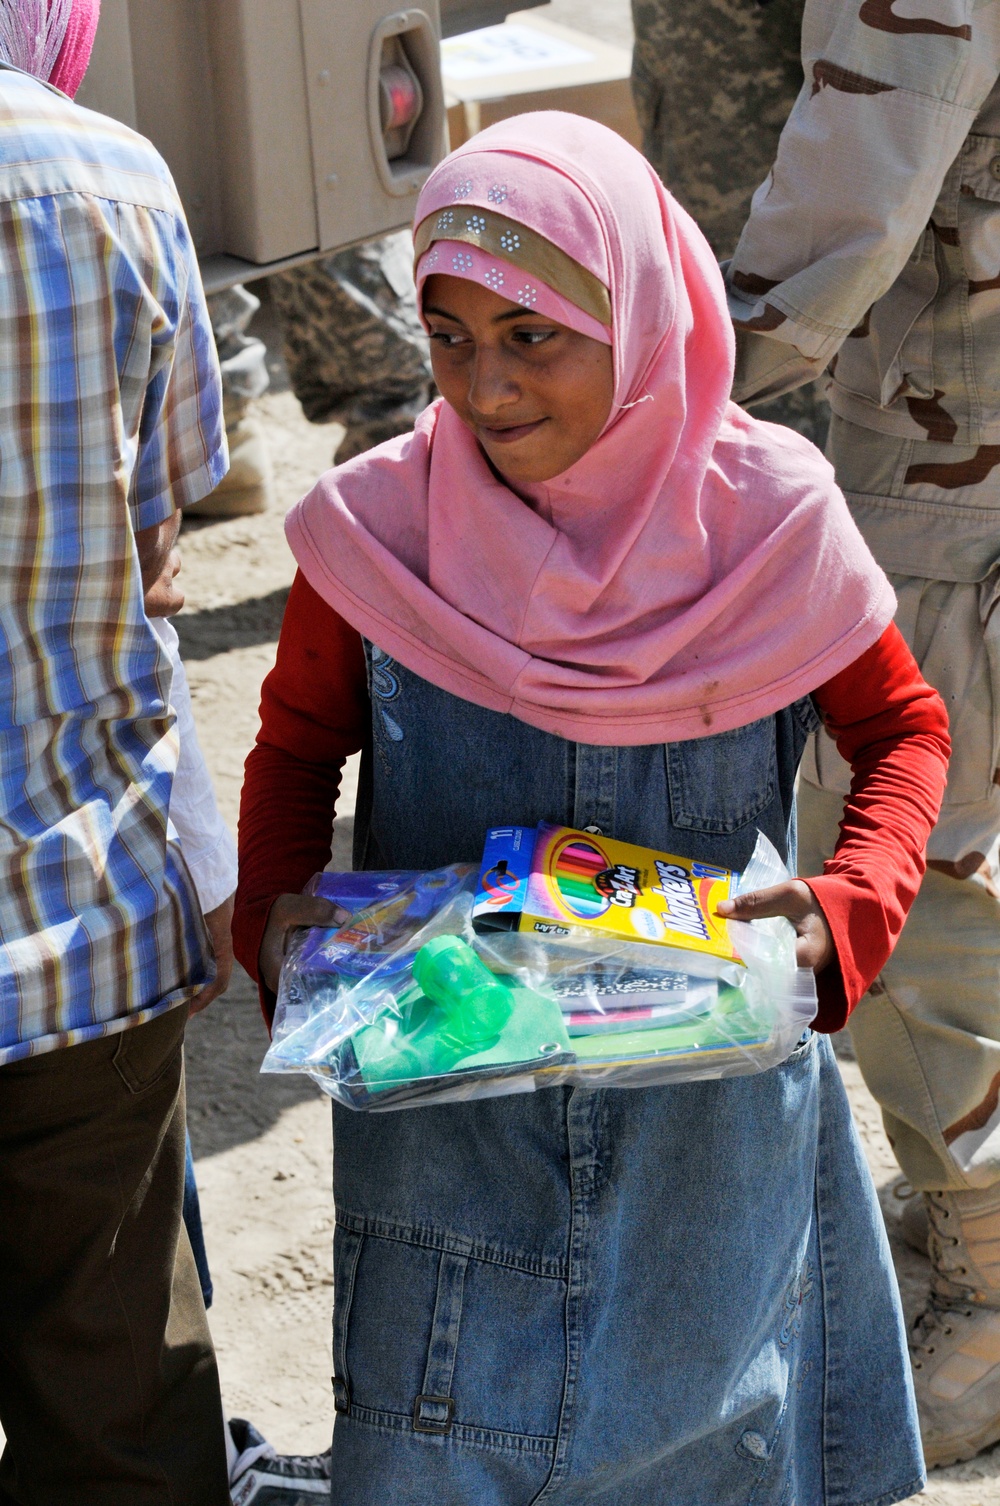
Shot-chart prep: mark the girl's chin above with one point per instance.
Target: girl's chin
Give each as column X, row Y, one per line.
column 527, row 458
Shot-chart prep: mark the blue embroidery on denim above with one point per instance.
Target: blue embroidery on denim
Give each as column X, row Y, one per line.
column 385, row 685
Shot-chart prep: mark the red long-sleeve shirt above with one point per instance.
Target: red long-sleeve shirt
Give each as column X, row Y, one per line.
column 889, row 724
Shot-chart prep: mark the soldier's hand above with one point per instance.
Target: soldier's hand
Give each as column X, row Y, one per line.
column 796, row 901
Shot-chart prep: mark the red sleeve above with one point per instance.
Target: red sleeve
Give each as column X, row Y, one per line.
column 892, row 728
column 313, row 713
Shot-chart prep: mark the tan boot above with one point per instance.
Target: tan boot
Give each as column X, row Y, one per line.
column 914, row 1223
column 955, row 1345
column 248, row 486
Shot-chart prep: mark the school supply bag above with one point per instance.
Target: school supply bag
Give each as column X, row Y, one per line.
column 567, row 958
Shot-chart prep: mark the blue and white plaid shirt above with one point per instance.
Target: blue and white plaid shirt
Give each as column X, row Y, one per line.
column 110, row 418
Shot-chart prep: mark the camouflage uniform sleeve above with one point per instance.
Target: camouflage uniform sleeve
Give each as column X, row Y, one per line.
column 714, row 82
column 886, row 105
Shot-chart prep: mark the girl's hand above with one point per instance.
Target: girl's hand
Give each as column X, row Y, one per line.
column 288, row 912
column 796, row 901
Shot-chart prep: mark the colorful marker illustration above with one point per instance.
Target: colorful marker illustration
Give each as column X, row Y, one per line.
column 576, row 865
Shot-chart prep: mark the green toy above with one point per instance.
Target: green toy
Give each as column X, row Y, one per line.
column 456, row 1014
column 474, row 1004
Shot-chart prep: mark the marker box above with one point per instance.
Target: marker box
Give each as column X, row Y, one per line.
column 552, row 880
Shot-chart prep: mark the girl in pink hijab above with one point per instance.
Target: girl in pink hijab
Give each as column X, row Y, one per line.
column 589, row 590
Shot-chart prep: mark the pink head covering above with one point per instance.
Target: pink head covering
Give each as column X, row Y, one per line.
column 74, row 55
column 459, row 259
column 50, row 38
column 694, row 571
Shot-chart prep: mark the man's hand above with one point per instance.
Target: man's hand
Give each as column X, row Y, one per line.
column 220, row 929
column 160, row 563
column 287, row 912
column 794, row 900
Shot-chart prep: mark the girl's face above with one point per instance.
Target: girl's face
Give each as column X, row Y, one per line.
column 535, row 394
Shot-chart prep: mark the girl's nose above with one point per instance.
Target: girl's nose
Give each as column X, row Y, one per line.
column 490, row 387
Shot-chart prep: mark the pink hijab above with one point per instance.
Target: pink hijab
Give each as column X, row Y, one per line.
column 74, row 54
column 696, row 570
column 50, row 38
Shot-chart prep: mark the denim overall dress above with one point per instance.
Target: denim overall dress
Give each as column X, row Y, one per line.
column 671, row 1296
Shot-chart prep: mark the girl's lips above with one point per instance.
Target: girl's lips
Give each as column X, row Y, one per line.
column 510, row 436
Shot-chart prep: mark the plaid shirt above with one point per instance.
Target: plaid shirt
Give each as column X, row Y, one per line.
column 110, row 418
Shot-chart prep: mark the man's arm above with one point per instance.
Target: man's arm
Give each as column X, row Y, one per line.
column 181, row 457
column 887, row 103
column 208, row 847
column 160, row 563
column 181, row 452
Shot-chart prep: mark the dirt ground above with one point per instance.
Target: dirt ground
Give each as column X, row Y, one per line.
column 262, row 1144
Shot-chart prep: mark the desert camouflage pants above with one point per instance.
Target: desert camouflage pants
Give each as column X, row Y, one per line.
column 354, row 346
column 242, row 357
column 714, row 82
column 927, row 1035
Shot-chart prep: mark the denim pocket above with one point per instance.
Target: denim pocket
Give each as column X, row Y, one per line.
column 146, row 1052
column 721, row 783
column 802, row 1050
column 446, row 1340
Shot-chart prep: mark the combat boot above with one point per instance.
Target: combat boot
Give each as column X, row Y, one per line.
column 370, row 421
column 914, row 1223
column 955, row 1343
column 248, row 487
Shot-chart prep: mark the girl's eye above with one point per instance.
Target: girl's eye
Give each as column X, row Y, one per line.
column 446, row 339
column 533, row 336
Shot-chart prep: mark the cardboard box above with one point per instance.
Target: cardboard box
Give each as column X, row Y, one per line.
column 530, row 63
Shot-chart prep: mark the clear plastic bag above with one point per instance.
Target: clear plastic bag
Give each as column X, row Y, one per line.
column 406, row 1004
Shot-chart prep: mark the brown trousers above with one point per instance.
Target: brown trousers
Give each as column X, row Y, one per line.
column 109, row 1391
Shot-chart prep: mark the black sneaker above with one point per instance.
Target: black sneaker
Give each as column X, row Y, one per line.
column 260, row 1477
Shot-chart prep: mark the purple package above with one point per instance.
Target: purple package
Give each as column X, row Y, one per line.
column 354, row 892
column 377, row 935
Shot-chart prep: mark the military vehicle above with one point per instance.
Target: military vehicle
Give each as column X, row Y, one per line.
column 293, row 128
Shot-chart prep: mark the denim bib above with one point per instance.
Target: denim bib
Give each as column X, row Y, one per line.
column 679, row 1296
